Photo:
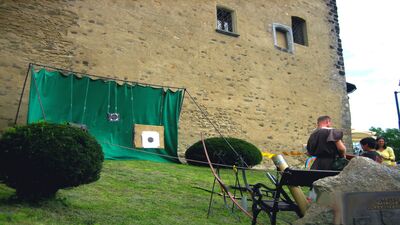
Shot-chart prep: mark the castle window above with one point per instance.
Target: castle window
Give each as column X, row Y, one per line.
column 299, row 29
column 226, row 21
column 283, row 38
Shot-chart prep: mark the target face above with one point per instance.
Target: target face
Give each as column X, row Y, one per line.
column 113, row 117
column 150, row 139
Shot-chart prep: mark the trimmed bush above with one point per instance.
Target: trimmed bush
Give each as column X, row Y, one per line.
column 220, row 152
column 39, row 159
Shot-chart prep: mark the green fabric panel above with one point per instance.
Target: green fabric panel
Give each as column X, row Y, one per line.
column 68, row 98
column 33, row 100
column 171, row 112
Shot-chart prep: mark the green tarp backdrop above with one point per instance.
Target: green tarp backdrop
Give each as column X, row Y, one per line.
column 82, row 100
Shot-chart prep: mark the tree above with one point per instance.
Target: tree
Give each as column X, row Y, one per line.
column 392, row 138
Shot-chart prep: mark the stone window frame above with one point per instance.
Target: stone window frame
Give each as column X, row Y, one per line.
column 299, row 29
column 277, row 27
column 233, row 20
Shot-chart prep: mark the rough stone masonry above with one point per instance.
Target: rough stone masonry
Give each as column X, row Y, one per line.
column 249, row 88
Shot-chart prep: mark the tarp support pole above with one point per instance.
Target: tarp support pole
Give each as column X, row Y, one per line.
column 40, row 100
column 104, row 78
column 397, row 106
column 22, row 93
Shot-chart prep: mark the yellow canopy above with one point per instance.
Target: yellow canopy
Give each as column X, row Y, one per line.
column 357, row 135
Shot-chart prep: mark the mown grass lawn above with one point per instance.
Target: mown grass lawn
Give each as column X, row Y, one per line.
column 134, row 192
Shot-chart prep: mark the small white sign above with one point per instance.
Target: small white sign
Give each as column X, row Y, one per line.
column 150, row 139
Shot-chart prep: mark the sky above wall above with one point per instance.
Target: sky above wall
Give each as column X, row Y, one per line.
column 370, row 38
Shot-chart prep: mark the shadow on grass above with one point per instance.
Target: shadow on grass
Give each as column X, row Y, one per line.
column 8, row 197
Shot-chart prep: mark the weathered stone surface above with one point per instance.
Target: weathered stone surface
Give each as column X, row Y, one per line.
column 317, row 215
column 250, row 89
column 361, row 175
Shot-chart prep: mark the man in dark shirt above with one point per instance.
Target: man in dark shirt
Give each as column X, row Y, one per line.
column 325, row 143
column 368, row 146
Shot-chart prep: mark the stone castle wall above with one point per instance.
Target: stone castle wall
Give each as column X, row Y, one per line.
column 248, row 88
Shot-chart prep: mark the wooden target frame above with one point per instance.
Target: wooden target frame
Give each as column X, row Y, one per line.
column 138, row 130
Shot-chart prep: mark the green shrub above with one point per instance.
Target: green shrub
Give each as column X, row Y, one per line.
column 220, row 152
column 39, row 159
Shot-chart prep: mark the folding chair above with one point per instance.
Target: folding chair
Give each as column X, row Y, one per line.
column 272, row 200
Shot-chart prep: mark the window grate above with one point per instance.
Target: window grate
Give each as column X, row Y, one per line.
column 299, row 31
column 224, row 20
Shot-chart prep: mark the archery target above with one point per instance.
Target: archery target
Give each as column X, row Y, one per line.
column 150, row 139
column 148, row 136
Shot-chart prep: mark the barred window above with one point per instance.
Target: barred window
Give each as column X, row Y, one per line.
column 226, row 21
column 299, row 29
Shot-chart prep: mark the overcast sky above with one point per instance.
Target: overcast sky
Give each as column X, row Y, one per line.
column 371, row 41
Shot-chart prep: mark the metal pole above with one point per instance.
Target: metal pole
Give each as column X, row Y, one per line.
column 102, row 77
column 397, row 106
column 22, row 93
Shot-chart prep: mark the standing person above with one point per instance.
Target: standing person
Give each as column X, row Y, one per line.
column 387, row 153
column 368, row 146
column 325, row 143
